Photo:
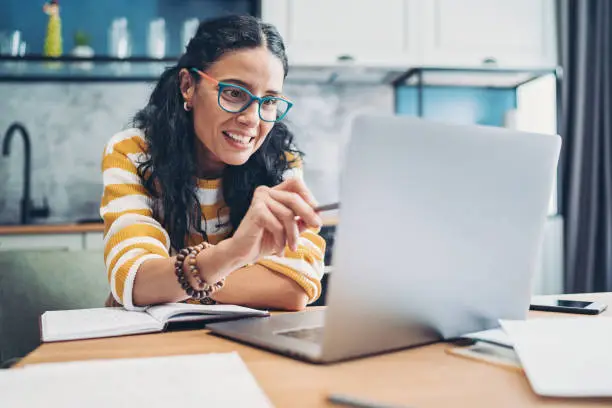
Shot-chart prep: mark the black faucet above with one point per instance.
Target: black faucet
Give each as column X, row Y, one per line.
column 28, row 210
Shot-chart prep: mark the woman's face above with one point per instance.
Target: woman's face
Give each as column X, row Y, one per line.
column 231, row 138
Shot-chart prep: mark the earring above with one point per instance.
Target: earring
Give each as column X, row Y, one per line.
column 186, row 107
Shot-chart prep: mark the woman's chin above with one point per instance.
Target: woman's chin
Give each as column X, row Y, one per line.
column 236, row 159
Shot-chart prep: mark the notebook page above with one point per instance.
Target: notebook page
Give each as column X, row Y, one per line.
column 493, row 336
column 565, row 357
column 98, row 322
column 166, row 311
column 210, row 380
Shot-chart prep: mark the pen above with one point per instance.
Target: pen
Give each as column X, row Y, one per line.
column 327, row 207
column 348, row 401
column 322, row 208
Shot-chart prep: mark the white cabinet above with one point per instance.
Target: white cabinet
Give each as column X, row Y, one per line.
column 370, row 31
column 51, row 242
column 416, row 32
column 466, row 32
column 73, row 241
column 93, row 240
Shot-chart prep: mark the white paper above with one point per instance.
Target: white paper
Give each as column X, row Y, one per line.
column 493, row 336
column 99, row 322
column 210, row 380
column 166, row 311
column 489, row 353
column 565, row 357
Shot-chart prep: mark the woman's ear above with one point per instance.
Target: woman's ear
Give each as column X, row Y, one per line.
column 187, row 85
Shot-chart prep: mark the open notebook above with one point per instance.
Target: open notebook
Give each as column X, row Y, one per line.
column 116, row 321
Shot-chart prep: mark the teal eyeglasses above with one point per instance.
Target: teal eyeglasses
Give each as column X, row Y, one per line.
column 235, row 99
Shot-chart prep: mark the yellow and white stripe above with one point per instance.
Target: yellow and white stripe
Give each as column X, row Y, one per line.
column 133, row 236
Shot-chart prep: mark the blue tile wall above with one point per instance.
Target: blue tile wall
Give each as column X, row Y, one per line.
column 95, row 17
column 460, row 105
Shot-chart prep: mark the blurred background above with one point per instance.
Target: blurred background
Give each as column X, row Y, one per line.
column 523, row 64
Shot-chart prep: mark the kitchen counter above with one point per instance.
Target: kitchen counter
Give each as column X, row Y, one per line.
column 73, row 228
column 50, row 228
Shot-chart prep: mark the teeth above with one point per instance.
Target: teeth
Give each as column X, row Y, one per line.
column 239, row 138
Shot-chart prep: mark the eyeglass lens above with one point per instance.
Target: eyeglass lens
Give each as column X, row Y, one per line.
column 236, row 99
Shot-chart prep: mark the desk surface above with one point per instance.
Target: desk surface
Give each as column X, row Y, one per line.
column 418, row 377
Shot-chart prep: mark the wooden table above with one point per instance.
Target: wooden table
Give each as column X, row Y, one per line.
column 418, row 377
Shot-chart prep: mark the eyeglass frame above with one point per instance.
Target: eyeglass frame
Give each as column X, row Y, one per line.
column 259, row 99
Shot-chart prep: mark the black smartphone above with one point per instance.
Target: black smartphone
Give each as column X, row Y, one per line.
column 568, row 306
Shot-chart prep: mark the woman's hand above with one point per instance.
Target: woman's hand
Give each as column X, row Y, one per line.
column 276, row 218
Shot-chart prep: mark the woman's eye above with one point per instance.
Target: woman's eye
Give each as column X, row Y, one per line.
column 234, row 93
column 271, row 102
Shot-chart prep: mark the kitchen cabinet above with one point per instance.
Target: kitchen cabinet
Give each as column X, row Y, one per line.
column 33, row 242
column 468, row 32
column 369, row 31
column 408, row 33
column 93, row 240
column 60, row 237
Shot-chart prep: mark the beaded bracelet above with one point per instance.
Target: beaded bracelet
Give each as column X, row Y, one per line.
column 202, row 290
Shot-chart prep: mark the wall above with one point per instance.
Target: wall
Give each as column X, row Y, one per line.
column 68, row 126
column 532, row 108
column 95, row 18
column 461, row 105
column 70, row 123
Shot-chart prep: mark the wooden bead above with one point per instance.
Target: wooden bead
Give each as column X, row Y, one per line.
column 200, row 289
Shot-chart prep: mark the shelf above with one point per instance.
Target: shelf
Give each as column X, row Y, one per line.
column 106, row 69
column 36, row 68
column 487, row 77
column 343, row 74
column 74, row 69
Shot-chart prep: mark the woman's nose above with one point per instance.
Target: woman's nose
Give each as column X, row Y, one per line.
column 250, row 116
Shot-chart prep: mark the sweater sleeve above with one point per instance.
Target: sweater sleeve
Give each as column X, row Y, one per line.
column 305, row 265
column 131, row 234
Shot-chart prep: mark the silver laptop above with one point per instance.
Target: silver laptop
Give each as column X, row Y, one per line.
column 439, row 235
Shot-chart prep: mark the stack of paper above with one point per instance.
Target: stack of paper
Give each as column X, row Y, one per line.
column 492, row 336
column 565, row 357
column 211, row 380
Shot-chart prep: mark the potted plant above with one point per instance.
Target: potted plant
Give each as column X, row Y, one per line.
column 82, row 48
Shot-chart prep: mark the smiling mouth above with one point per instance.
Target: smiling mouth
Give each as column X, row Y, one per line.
column 244, row 140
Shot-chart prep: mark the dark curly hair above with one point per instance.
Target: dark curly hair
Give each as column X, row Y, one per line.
column 169, row 173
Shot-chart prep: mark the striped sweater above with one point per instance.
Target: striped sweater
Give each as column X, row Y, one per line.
column 132, row 235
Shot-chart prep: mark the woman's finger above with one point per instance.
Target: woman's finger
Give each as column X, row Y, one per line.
column 301, row 226
column 296, row 185
column 287, row 218
column 299, row 207
column 271, row 224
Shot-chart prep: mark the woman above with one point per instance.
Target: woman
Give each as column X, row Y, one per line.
column 210, row 161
